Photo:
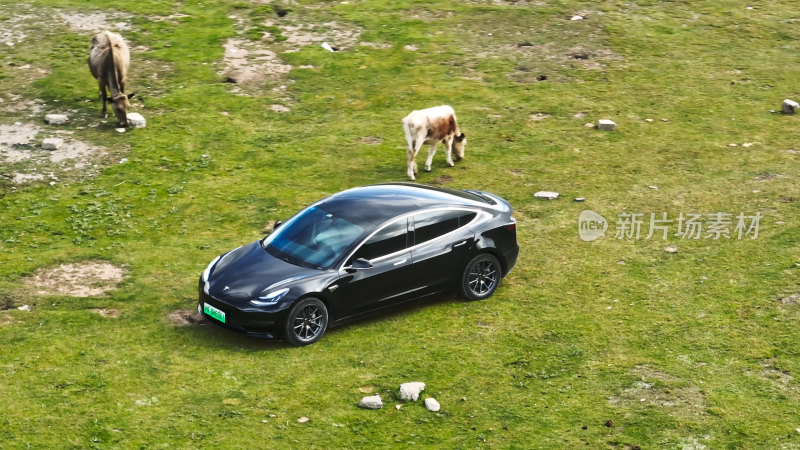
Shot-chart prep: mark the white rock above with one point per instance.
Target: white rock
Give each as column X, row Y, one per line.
column 398, row 407
column 24, row 308
column 549, row 195
column 789, row 106
column 120, row 130
column 136, row 120
column 579, row 199
column 576, row 17
column 327, row 47
column 371, row 402
column 56, row 119
column 605, row 124
column 303, row 419
column 671, row 249
column 410, row 391
column 432, row 404
column 52, row 143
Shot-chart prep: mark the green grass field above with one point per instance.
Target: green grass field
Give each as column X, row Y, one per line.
column 613, row 343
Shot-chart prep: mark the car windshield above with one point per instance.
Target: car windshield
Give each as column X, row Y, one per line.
column 314, row 238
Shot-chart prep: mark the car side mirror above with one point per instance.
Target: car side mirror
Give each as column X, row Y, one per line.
column 359, row 264
column 277, row 224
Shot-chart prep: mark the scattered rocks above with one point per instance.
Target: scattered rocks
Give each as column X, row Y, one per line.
column 793, row 299
column 607, row 125
column 789, row 106
column 547, row 195
column 371, row 402
column 432, row 404
column 136, row 120
column 410, row 391
column 56, row 119
column 52, row 143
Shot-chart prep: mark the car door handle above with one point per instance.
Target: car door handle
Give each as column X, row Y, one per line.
column 460, row 244
column 402, row 261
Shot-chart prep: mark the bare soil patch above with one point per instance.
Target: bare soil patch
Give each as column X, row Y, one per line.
column 83, row 279
column 22, row 159
column 660, row 389
column 113, row 313
column 371, row 140
column 443, row 179
column 185, row 317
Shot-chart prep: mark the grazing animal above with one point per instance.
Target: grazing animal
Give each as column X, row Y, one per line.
column 431, row 126
column 108, row 60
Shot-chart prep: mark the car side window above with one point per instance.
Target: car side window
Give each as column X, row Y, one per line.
column 466, row 217
column 392, row 238
column 431, row 225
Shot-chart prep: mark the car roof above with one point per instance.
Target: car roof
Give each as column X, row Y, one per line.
column 378, row 203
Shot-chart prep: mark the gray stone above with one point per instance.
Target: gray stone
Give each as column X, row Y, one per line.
column 579, row 199
column 605, row 124
column 789, row 106
column 548, row 195
column 410, row 391
column 52, row 143
column 371, row 402
column 56, row 119
column 432, row 404
column 136, row 120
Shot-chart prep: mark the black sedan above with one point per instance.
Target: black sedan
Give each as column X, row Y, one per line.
column 359, row 252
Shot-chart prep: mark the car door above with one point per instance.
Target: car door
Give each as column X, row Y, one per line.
column 384, row 282
column 441, row 247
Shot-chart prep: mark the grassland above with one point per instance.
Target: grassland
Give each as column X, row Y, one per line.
column 612, row 343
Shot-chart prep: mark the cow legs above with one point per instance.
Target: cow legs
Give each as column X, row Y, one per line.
column 413, row 149
column 431, row 152
column 448, row 151
column 103, row 99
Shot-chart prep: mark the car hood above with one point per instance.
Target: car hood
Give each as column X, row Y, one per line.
column 247, row 271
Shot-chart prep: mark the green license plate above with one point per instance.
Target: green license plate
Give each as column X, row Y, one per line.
column 214, row 312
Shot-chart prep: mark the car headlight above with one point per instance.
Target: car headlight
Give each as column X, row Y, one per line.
column 271, row 298
column 207, row 272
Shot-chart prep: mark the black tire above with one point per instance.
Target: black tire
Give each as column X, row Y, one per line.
column 480, row 277
column 306, row 322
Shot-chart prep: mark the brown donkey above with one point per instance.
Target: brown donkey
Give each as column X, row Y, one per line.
column 108, row 60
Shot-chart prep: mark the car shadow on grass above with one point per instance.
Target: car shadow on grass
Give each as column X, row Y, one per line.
column 211, row 336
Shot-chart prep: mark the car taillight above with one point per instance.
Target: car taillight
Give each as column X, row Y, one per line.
column 511, row 227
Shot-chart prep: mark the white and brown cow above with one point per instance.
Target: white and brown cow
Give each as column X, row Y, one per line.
column 108, row 60
column 431, row 126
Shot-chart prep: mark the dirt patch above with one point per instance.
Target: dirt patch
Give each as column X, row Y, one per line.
column 113, row 313
column 659, row 389
column 371, row 140
column 793, row 299
column 780, row 378
column 23, row 160
column 96, row 22
column 185, row 317
column 280, row 108
column 443, row 179
column 84, row 279
column 249, row 64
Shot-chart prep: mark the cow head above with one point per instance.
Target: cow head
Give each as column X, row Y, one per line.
column 120, row 106
column 459, row 143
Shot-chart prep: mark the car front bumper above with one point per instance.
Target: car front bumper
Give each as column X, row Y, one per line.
column 252, row 322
